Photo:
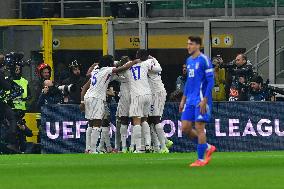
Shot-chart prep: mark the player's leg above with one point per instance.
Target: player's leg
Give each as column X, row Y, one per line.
column 187, row 120
column 205, row 118
column 137, row 133
column 96, row 114
column 123, row 132
column 146, row 134
column 106, row 135
column 136, row 112
column 132, row 141
column 203, row 146
column 96, row 131
column 145, row 126
column 88, row 139
column 154, row 139
column 160, row 133
column 117, row 145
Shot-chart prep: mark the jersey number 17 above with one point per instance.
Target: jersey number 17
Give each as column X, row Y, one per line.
column 136, row 72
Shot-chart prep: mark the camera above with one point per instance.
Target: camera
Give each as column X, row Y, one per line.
column 8, row 96
column 15, row 58
column 67, row 89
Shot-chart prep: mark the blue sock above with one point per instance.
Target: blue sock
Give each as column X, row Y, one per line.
column 195, row 140
column 201, row 149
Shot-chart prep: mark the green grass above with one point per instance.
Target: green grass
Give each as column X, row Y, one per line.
column 149, row 171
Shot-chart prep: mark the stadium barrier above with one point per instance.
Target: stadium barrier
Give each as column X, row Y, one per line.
column 235, row 126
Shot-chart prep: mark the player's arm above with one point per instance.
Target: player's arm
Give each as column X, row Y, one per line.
column 154, row 66
column 209, row 75
column 126, row 66
column 83, row 92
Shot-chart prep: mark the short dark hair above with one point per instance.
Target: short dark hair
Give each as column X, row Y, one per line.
column 106, row 61
column 257, row 79
column 195, row 39
column 142, row 54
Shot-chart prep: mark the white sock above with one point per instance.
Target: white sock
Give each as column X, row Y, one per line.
column 123, row 133
column 137, row 136
column 105, row 134
column 154, row 138
column 132, row 142
column 88, row 138
column 118, row 135
column 146, row 133
column 161, row 135
column 95, row 137
column 101, row 146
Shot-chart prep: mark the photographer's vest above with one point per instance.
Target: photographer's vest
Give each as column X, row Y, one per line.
column 20, row 104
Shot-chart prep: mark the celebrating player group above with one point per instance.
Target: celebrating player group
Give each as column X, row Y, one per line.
column 142, row 99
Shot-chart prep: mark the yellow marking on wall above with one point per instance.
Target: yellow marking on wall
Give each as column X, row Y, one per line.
column 130, row 42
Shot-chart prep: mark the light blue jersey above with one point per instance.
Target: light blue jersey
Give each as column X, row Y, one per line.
column 199, row 84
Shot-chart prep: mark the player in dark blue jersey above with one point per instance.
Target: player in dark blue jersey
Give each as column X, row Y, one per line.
column 196, row 103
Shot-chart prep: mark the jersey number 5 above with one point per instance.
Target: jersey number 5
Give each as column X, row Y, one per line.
column 136, row 72
column 94, row 79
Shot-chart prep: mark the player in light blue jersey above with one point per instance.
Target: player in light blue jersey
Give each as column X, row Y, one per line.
column 196, row 103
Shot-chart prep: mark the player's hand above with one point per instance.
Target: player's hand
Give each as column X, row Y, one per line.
column 202, row 105
column 181, row 106
column 82, row 107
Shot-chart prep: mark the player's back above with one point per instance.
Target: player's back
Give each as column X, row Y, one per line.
column 196, row 84
column 100, row 79
column 123, row 78
column 138, row 77
column 155, row 79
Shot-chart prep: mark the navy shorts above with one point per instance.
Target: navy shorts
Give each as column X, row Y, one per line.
column 192, row 113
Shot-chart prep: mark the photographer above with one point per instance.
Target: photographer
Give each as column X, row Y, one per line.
column 77, row 80
column 257, row 92
column 219, row 77
column 16, row 75
column 50, row 94
column 239, row 73
column 6, row 112
column 44, row 73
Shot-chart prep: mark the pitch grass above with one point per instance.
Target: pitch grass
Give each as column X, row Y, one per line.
column 149, row 171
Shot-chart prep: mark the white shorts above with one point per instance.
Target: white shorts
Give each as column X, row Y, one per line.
column 158, row 103
column 123, row 106
column 140, row 106
column 94, row 108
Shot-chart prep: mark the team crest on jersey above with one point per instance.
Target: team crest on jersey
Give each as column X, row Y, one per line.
column 197, row 65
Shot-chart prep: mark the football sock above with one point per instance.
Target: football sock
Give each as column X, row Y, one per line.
column 201, row 149
column 105, row 134
column 132, row 141
column 88, row 138
column 94, row 138
column 123, row 133
column 161, row 135
column 118, row 135
column 137, row 136
column 146, row 133
column 154, row 138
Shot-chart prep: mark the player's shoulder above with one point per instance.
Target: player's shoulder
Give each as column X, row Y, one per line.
column 204, row 59
column 189, row 58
